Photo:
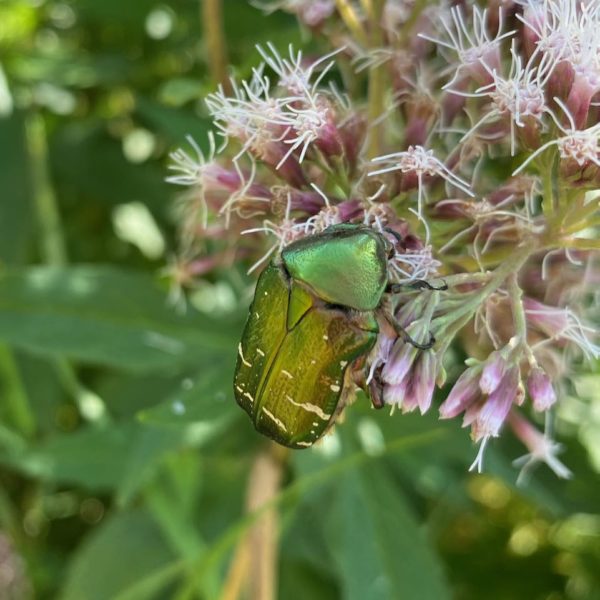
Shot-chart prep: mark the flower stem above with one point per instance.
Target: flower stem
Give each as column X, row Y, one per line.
column 216, row 45
column 254, row 566
column 350, row 17
column 52, row 243
column 516, row 300
column 581, row 244
column 376, row 106
column 511, row 265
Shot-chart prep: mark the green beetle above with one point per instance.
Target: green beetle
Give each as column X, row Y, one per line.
column 311, row 327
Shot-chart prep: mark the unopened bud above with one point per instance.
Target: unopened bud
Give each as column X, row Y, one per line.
column 464, row 393
column 540, row 389
column 493, row 371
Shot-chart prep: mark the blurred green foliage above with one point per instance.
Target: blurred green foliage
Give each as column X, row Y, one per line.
column 123, row 457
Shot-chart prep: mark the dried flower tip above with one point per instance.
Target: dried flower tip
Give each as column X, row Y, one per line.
column 311, row 12
column 473, row 44
column 420, row 161
column 293, row 75
column 520, row 96
column 562, row 324
column 579, row 146
column 542, row 449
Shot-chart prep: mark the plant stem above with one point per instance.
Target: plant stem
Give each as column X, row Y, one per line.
column 52, row 244
column 516, row 300
column 54, row 253
column 511, row 265
column 255, row 562
column 351, row 20
column 581, row 244
column 376, row 105
column 15, row 395
column 216, row 44
column 548, row 190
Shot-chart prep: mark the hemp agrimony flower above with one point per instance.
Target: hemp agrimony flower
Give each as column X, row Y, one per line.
column 470, row 138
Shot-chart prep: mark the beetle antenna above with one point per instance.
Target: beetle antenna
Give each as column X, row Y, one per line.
column 417, row 284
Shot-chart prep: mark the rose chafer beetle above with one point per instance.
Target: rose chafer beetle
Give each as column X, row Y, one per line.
column 314, row 320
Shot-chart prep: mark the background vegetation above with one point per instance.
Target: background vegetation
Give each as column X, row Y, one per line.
column 124, row 459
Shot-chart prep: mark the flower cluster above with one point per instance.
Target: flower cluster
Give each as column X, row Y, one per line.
column 476, row 151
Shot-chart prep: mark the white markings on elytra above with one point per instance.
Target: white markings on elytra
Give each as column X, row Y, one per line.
column 304, row 444
column 274, row 419
column 287, row 374
column 325, row 337
column 240, row 389
column 313, row 362
column 247, row 395
column 257, row 315
column 260, row 352
column 343, row 363
column 313, row 408
column 334, row 388
column 246, row 363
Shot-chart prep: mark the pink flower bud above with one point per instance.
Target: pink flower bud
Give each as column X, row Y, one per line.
column 395, row 394
column 399, row 363
column 316, row 12
column 494, row 411
column 493, row 371
column 352, row 133
column 551, row 320
column 540, row 389
column 585, row 85
column 464, row 393
column 422, row 382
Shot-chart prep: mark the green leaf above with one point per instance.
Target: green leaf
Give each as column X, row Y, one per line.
column 106, row 316
column 174, row 123
column 377, row 545
column 87, row 161
column 180, row 91
column 207, row 399
column 15, row 207
column 118, row 457
column 128, row 547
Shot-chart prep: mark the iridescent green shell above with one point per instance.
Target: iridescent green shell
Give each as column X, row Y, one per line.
column 346, row 265
column 293, row 360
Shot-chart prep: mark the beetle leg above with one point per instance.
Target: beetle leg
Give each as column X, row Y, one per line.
column 376, row 393
column 417, row 284
column 401, row 332
column 398, row 237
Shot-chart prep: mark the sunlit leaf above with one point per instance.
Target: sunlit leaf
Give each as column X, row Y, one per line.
column 105, row 316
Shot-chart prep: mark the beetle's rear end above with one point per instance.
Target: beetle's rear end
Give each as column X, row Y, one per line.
column 293, row 359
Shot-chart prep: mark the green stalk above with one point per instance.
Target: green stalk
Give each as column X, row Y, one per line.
column 516, row 300
column 216, row 44
column 350, row 17
column 377, row 87
column 15, row 395
column 511, row 265
column 53, row 252
column 52, row 245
